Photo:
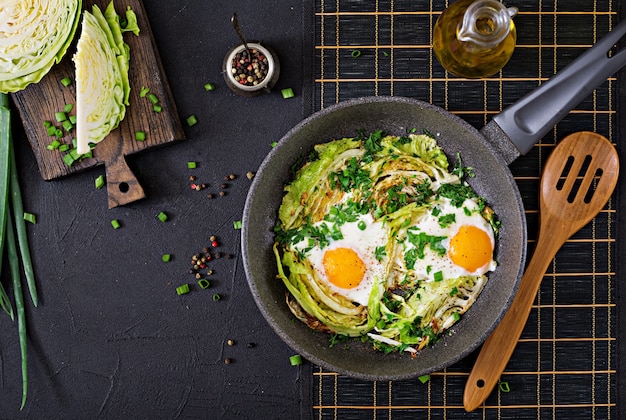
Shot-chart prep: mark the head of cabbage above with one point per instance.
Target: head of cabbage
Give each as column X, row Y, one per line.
column 34, row 35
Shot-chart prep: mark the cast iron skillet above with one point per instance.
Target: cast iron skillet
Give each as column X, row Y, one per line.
column 511, row 133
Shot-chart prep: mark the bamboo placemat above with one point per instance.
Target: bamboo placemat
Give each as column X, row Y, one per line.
column 565, row 364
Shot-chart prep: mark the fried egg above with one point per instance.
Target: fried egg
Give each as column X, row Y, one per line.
column 349, row 266
column 450, row 242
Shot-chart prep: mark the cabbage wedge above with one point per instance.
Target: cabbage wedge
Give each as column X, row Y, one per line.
column 102, row 85
column 34, row 35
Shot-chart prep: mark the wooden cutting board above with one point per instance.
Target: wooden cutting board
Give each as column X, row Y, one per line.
column 40, row 102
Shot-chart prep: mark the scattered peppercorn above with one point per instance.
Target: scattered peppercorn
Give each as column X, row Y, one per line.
column 230, row 342
column 250, row 175
column 222, row 194
column 228, row 361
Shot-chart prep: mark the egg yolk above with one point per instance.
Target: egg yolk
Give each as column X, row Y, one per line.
column 344, row 268
column 470, row 248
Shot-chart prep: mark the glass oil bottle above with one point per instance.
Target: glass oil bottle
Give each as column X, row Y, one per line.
column 475, row 38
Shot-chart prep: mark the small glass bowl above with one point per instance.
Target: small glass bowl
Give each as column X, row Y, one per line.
column 245, row 89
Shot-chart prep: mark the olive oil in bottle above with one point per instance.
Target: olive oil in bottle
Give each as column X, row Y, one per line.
column 475, row 38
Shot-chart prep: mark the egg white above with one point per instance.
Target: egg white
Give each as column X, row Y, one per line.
column 364, row 243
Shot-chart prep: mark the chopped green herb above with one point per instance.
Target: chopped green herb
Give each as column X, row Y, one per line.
column 191, row 165
column 456, row 316
column 73, row 119
column 181, row 290
column 295, row 360
column 69, row 159
column 140, row 135
column 287, row 93
column 53, row 145
column 438, row 276
column 29, row 217
column 166, row 257
column 424, row 378
column 157, row 108
column 153, row 98
column 99, row 182
column 68, row 108
column 209, row 87
column 204, row 283
column 66, row 81
column 144, row 91
column 192, row 120
column 356, row 53
column 115, row 223
column 216, row 297
column 237, row 224
column 162, row 216
column 60, row 116
column 274, row 144
column 64, row 147
column 504, row 387
column 68, row 126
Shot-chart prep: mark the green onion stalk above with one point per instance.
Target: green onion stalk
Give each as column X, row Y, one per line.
column 13, row 233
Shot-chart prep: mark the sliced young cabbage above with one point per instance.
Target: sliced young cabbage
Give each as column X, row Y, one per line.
column 102, row 84
column 34, row 35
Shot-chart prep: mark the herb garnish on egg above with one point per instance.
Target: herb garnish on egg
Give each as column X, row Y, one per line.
column 377, row 238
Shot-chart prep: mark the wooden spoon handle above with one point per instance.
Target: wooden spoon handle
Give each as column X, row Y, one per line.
column 499, row 346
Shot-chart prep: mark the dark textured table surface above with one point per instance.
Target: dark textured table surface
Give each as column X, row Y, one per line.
column 112, row 339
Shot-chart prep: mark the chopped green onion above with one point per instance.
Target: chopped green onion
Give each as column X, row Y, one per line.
column 204, row 283
column 51, row 130
column 54, row 144
column 99, row 182
column 73, row 119
column 287, row 93
column 424, row 378
column 504, row 387
column 64, row 148
column 191, row 165
column 31, row 218
column 144, row 91
column 181, row 290
column 456, row 316
column 237, row 224
column 153, row 98
column 157, row 108
column 162, row 216
column 140, row 135
column 209, row 87
column 295, row 360
column 58, row 132
column 192, row 120
column 69, row 159
column 356, row 53
column 68, row 126
column 166, row 257
column 361, row 225
column 60, row 116
column 216, row 297
column 115, row 223
column 68, row 108
column 438, row 276
column 66, row 81
column 274, row 144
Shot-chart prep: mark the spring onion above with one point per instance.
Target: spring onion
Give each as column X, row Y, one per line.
column 355, row 53
column 157, row 108
column 99, row 182
column 30, row 218
column 144, row 91
column 66, row 81
column 140, row 135
column 54, row 144
column 204, row 283
column 209, row 87
column 191, row 165
column 216, row 297
column 424, row 378
column 237, row 224
column 295, row 360
column 192, row 120
column 153, row 98
column 162, row 216
column 166, row 257
column 504, row 387
column 181, row 290
column 287, row 93
column 68, row 108
column 116, row 224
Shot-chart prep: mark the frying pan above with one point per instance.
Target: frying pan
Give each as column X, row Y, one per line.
column 489, row 151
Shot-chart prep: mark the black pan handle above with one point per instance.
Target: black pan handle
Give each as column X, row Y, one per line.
column 530, row 118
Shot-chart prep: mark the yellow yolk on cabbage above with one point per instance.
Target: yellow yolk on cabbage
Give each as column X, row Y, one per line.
column 343, row 267
column 470, row 248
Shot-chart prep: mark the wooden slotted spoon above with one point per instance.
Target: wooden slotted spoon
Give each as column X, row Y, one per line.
column 577, row 181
